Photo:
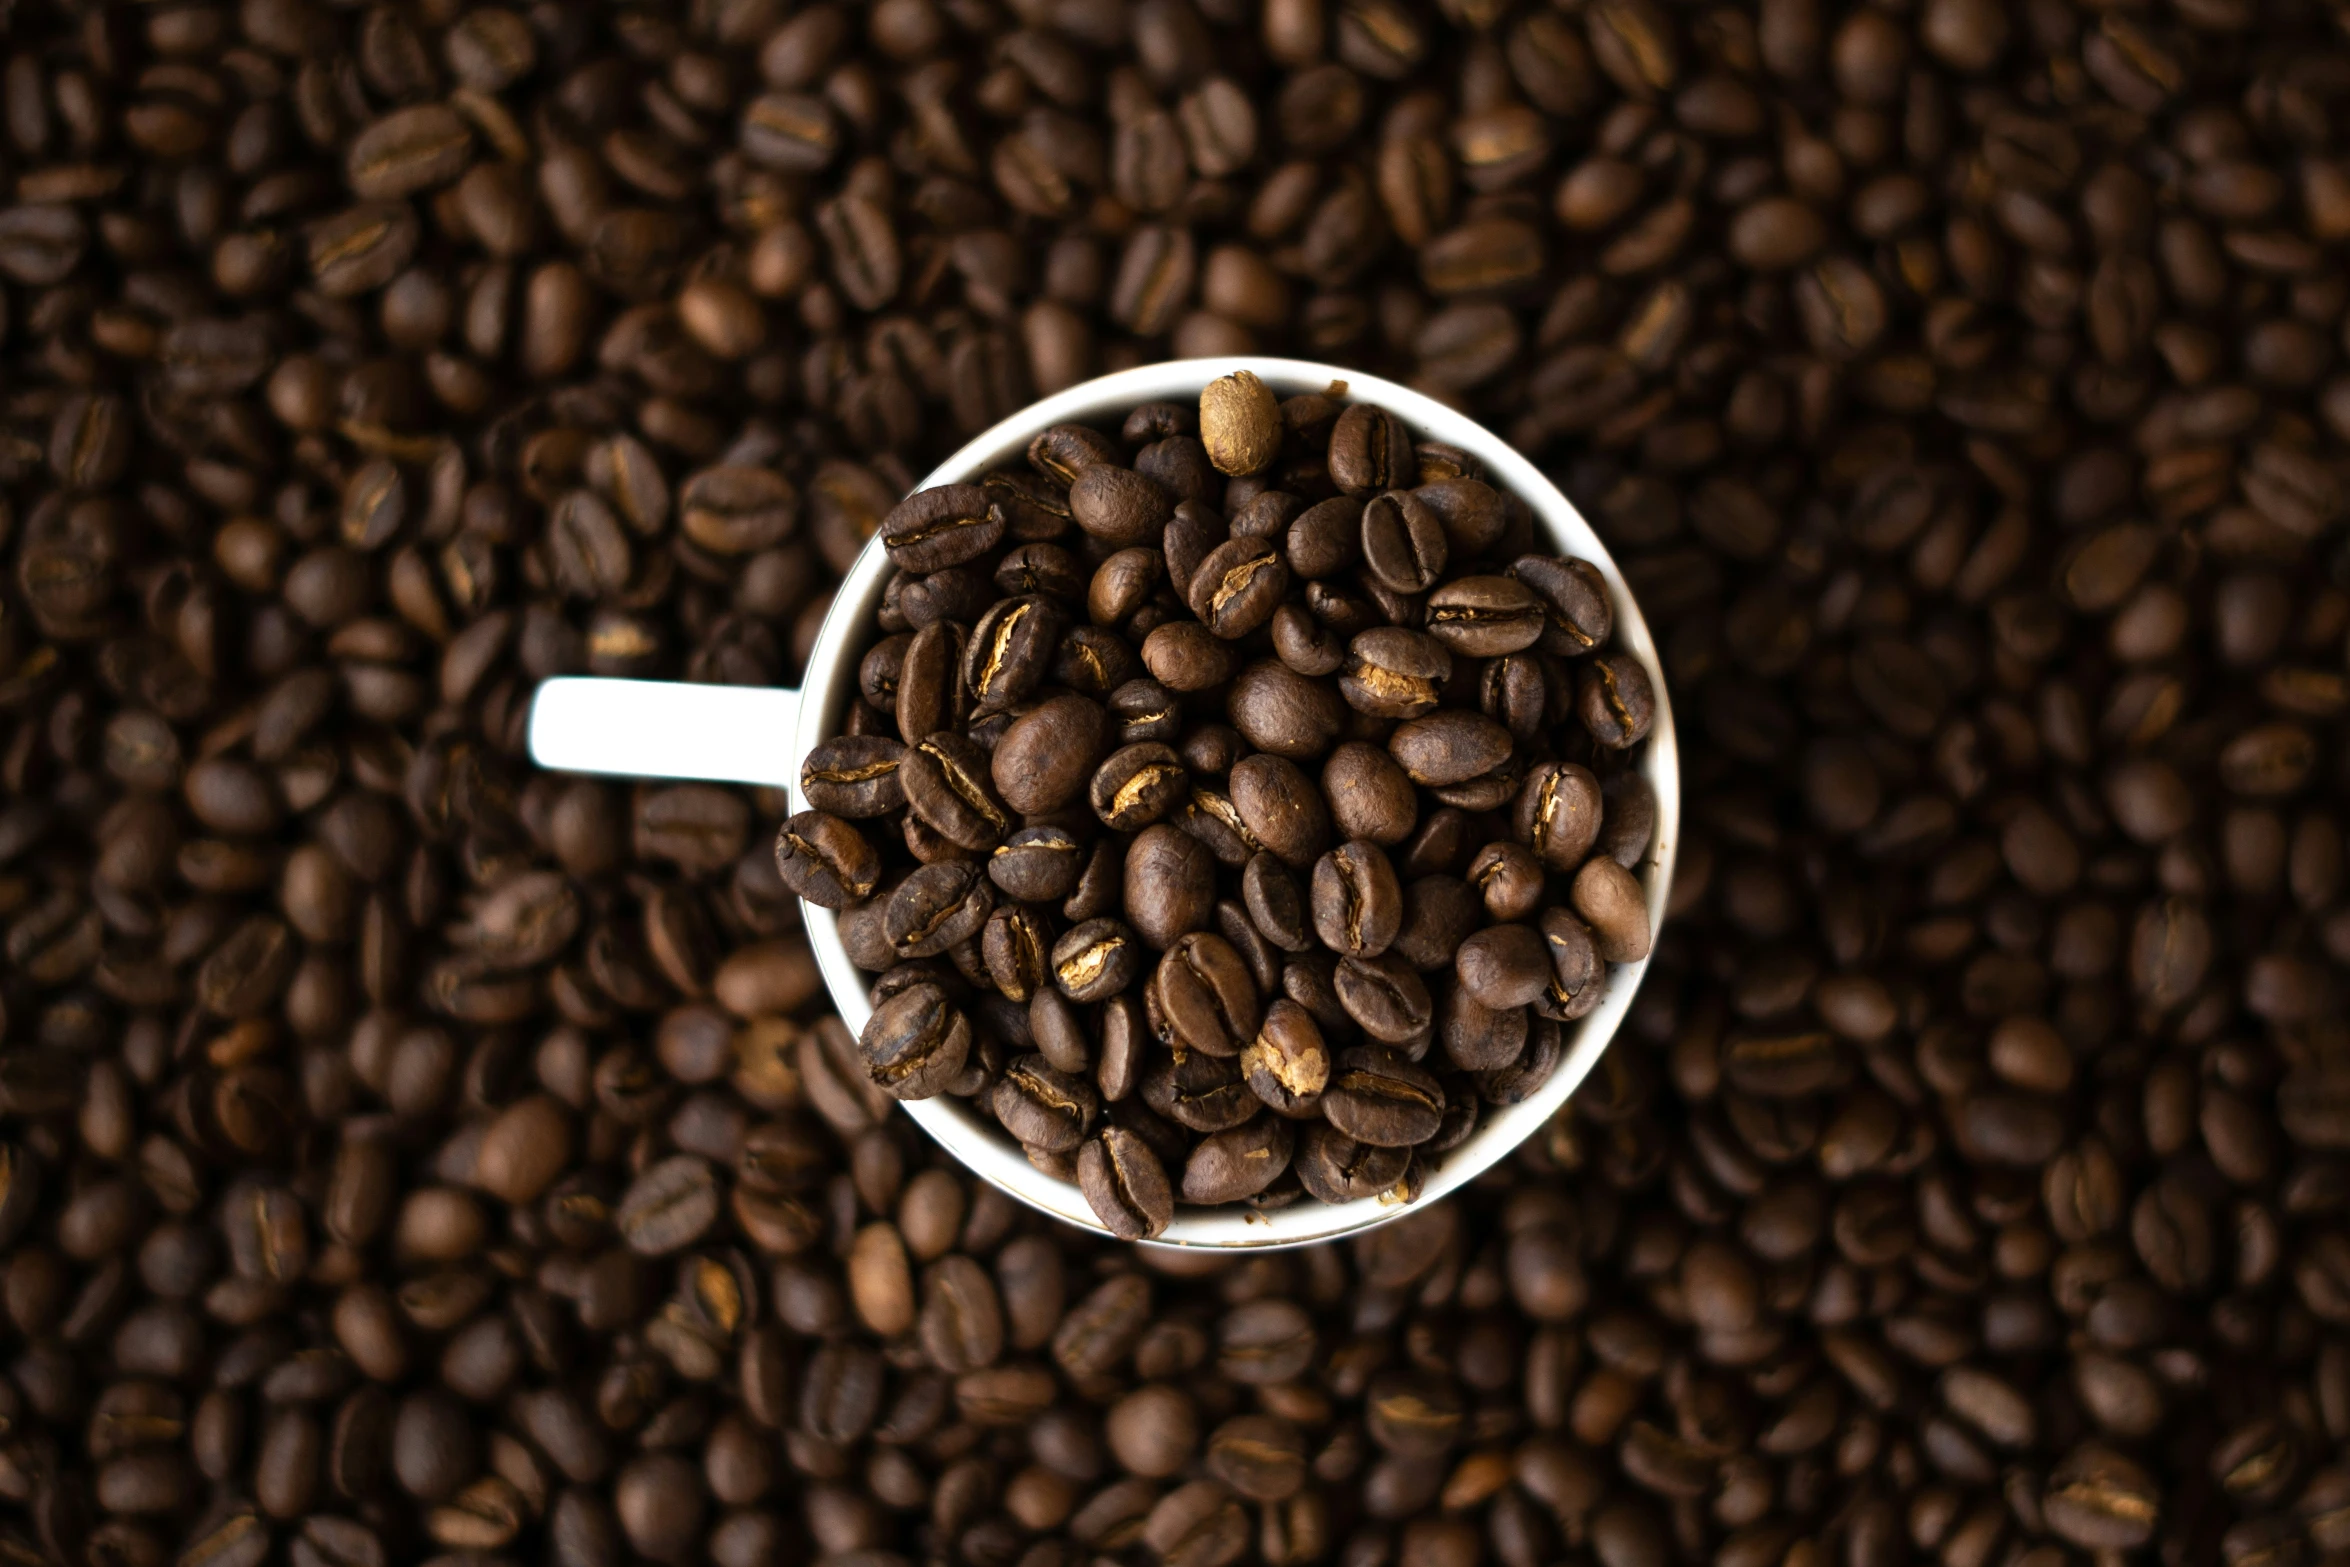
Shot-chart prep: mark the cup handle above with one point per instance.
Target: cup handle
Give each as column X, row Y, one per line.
column 665, row 729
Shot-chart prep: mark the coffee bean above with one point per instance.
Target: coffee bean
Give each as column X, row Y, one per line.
column 1240, row 423
column 947, row 783
column 1357, row 906
column 1207, row 996
column 1137, row 785
column 934, row 529
column 1232, row 1165
column 1384, row 996
column 1287, row 1065
column 1485, row 617
column 826, row 860
column 938, row 907
column 854, row 776
column 1095, row 960
column 1125, row 1185
column 1043, row 1106
column 1336, row 1168
column 1404, row 546
column 1617, row 705
column 669, row 1207
column 1610, row 900
column 1037, row 864
column 1375, row 1096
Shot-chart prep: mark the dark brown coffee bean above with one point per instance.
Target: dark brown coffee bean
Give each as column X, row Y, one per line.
column 1043, row 1106
column 854, row 776
column 1169, row 880
column 1232, row 1165
column 1237, row 586
column 1095, row 960
column 1207, row 996
column 1384, row 996
column 1276, row 906
column 915, row 1043
column 947, row 783
column 1404, row 545
column 934, row 529
column 1125, row 1185
column 1139, row 784
column 1287, row 1065
column 1119, row 506
column 1280, row 808
column 1449, row 747
column 1615, row 700
column 826, row 860
column 1376, row 1096
column 1394, row 673
column 1202, row 1092
column 939, row 906
column 1282, row 712
column 1485, row 617
column 1611, row 901
column 1357, row 905
column 1336, row 1168
column 669, row 1207
column 1010, row 651
column 1578, row 613
column 1037, row 864
column 1370, row 451
column 930, row 695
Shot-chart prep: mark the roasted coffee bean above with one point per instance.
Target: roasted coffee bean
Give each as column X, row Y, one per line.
column 1125, row 1185
column 1287, row 1065
column 1559, row 812
column 1043, row 1106
column 1357, row 906
column 1096, row 960
column 947, row 783
column 1336, row 1168
column 938, row 907
column 934, row 529
column 1010, row 650
column 1486, row 617
column 1037, row 864
column 1275, row 904
column 1237, row 586
column 1233, row 1165
column 854, row 776
column 1202, row 1092
column 1370, row 451
column 1280, row 808
column 1615, row 700
column 1394, row 673
column 1207, row 996
column 1376, row 1096
column 1404, row 546
column 1579, row 615
column 1384, row 996
column 826, row 860
column 1503, row 966
column 915, row 1043
column 1137, row 785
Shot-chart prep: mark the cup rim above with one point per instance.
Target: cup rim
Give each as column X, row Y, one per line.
column 830, row 676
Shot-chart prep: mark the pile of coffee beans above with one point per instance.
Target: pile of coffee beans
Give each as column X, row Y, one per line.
column 1960, row 384
column 1236, row 841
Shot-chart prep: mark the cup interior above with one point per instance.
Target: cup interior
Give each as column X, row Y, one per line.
column 848, row 629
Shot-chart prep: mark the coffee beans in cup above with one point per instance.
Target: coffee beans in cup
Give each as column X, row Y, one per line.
column 1235, row 805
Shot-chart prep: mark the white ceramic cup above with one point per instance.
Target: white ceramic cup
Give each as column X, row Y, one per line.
column 749, row 735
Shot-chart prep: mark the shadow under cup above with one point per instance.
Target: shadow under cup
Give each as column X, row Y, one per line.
column 850, row 629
